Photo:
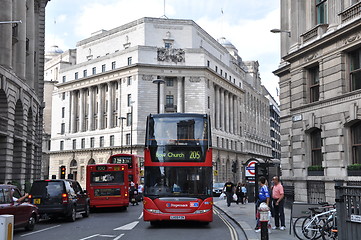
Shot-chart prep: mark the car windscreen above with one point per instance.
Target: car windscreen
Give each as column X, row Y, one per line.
column 47, row 188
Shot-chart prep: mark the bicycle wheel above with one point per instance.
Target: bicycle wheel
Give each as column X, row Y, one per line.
column 329, row 230
column 311, row 228
column 297, row 228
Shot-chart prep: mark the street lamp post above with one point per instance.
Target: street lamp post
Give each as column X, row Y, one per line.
column 131, row 127
column 121, row 137
column 158, row 81
column 281, row 31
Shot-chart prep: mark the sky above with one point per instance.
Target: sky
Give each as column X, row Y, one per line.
column 246, row 24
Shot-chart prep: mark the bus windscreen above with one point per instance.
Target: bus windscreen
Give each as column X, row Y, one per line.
column 107, row 178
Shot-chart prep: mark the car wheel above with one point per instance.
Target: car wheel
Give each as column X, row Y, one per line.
column 87, row 210
column 31, row 223
column 72, row 216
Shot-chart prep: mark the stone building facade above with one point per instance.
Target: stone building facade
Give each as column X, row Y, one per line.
column 100, row 104
column 320, row 95
column 21, row 90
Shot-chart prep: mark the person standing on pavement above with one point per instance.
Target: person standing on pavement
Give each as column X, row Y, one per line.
column 244, row 191
column 263, row 196
column 239, row 193
column 229, row 190
column 278, row 204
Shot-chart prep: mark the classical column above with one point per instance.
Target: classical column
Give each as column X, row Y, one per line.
column 19, row 53
column 30, row 32
column 226, row 111
column 6, row 30
column 91, row 109
column 218, row 107
column 110, row 105
column 100, row 107
column 222, row 126
column 231, row 114
column 180, row 94
column 161, row 98
column 81, row 111
column 72, row 119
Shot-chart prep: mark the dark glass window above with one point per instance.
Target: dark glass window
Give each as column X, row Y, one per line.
column 316, row 145
column 356, row 143
column 321, row 8
column 169, row 101
column 355, row 70
column 314, row 84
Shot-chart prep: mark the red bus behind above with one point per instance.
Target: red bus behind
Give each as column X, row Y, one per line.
column 107, row 185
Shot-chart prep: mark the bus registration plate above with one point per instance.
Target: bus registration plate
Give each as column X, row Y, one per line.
column 177, row 217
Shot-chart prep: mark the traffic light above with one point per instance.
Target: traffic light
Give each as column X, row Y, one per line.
column 234, row 167
column 62, row 172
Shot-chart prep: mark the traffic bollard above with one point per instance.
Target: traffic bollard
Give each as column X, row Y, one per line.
column 263, row 218
column 6, row 227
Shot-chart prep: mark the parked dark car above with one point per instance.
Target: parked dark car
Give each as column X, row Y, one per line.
column 59, row 198
column 11, row 202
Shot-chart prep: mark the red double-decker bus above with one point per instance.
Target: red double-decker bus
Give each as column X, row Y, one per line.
column 107, row 185
column 178, row 168
column 133, row 165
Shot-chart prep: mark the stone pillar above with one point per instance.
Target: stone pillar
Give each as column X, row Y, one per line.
column 91, row 109
column 231, row 114
column 81, row 111
column 222, row 126
column 218, row 107
column 30, row 32
column 226, row 111
column 161, row 98
column 72, row 119
column 19, row 52
column 100, row 107
column 6, row 30
column 110, row 105
column 180, row 94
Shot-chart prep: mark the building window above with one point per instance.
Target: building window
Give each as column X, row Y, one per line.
column 129, row 119
column 101, row 141
column 76, row 75
column 356, row 143
column 129, row 80
column 129, row 100
column 170, row 82
column 168, row 45
column 169, row 101
column 113, row 65
column 111, row 140
column 74, row 144
column 85, row 73
column 94, row 70
column 64, row 78
column 62, row 112
column 216, row 69
column 209, row 102
column 62, row 131
column 92, row 142
column 83, row 143
column 355, row 70
column 103, row 68
column 61, row 145
column 321, row 11
column 314, row 84
column 127, row 139
column 129, row 61
column 63, row 96
column 316, row 145
column 208, row 63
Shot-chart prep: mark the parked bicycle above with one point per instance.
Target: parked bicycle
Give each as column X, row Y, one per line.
column 329, row 229
column 311, row 227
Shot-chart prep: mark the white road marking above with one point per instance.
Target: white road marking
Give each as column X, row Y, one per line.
column 117, row 238
column 42, row 230
column 233, row 232
column 95, row 235
column 141, row 216
column 108, row 236
column 129, row 226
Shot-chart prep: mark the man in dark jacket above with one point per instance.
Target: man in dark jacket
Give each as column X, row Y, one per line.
column 229, row 190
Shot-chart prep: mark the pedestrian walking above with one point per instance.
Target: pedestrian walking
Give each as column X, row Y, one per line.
column 228, row 189
column 263, row 196
column 239, row 193
column 278, row 204
column 244, row 191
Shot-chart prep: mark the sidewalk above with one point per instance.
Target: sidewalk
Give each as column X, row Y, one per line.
column 244, row 215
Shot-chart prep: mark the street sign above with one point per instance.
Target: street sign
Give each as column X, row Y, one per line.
column 251, row 169
column 215, row 172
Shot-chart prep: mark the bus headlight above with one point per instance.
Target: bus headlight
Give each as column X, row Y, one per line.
column 153, row 211
column 201, row 211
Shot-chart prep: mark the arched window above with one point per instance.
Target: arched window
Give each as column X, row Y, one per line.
column 356, row 142
column 91, row 161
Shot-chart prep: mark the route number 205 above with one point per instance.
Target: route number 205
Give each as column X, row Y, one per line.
column 195, row 155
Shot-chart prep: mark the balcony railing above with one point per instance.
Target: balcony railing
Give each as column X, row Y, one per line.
column 318, row 30
column 351, row 12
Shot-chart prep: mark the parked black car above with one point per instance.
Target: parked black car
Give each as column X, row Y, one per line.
column 59, row 198
column 13, row 203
